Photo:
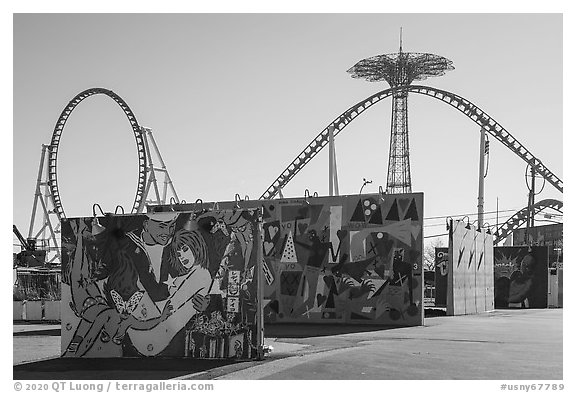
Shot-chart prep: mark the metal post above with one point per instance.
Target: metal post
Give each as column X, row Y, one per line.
column 496, row 213
column 533, row 171
column 331, row 160
column 336, row 191
column 260, row 288
column 332, row 167
column 38, row 191
column 481, row 178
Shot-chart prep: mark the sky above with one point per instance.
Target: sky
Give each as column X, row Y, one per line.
column 233, row 98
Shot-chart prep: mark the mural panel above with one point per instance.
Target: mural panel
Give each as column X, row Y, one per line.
column 521, row 276
column 489, row 272
column 162, row 284
column 347, row 259
column 470, row 271
column 441, row 275
column 544, row 235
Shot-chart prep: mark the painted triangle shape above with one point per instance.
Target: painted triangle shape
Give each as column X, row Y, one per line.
column 401, row 231
column 358, row 214
column 315, row 211
column 393, row 213
column 376, row 217
column 330, row 301
column 403, row 203
column 415, row 230
column 289, row 253
column 412, row 212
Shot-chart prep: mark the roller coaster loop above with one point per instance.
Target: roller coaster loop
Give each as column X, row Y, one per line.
column 57, row 134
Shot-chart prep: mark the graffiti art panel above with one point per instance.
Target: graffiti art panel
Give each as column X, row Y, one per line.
column 162, row 284
column 521, row 276
column 441, row 275
column 346, row 259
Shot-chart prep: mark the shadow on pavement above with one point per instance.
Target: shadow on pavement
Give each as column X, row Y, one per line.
column 295, row 330
column 301, row 330
column 434, row 312
column 38, row 332
column 115, row 369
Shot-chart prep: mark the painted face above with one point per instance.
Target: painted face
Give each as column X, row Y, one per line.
column 160, row 231
column 186, row 256
column 527, row 265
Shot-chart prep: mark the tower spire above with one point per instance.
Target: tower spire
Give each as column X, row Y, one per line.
column 400, row 39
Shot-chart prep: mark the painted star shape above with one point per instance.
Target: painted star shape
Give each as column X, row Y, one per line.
column 170, row 282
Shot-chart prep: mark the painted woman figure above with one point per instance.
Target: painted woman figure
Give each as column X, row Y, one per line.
column 187, row 249
column 188, row 281
column 102, row 327
column 188, row 252
column 522, row 282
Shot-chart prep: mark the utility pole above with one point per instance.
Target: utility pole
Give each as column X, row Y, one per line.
column 332, row 168
column 531, row 195
column 481, row 177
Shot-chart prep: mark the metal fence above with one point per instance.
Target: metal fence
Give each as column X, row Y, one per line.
column 37, row 284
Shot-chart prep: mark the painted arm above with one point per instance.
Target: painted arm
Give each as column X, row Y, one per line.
column 138, row 324
column 156, row 291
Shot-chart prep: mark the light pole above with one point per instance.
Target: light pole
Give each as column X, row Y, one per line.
column 365, row 182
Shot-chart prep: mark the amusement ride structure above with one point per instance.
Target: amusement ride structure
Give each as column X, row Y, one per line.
column 47, row 195
column 399, row 70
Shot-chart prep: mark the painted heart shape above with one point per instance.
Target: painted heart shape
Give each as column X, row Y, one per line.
column 329, row 280
column 321, row 299
column 341, row 233
column 268, row 246
column 302, row 227
column 272, row 231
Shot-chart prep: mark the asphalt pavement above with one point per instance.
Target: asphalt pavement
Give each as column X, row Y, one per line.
column 519, row 344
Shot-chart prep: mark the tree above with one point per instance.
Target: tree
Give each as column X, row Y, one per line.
column 429, row 255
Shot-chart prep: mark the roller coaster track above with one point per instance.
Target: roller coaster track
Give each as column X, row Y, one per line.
column 463, row 105
column 520, row 218
column 57, row 134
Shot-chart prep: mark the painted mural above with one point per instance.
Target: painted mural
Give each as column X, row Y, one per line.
column 521, row 276
column 350, row 259
column 163, row 284
column 544, row 235
column 441, row 275
column 470, row 270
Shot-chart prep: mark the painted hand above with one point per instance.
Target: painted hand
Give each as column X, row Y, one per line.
column 200, row 302
column 167, row 311
column 368, row 286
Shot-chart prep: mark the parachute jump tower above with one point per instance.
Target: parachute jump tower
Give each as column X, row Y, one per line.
column 400, row 70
